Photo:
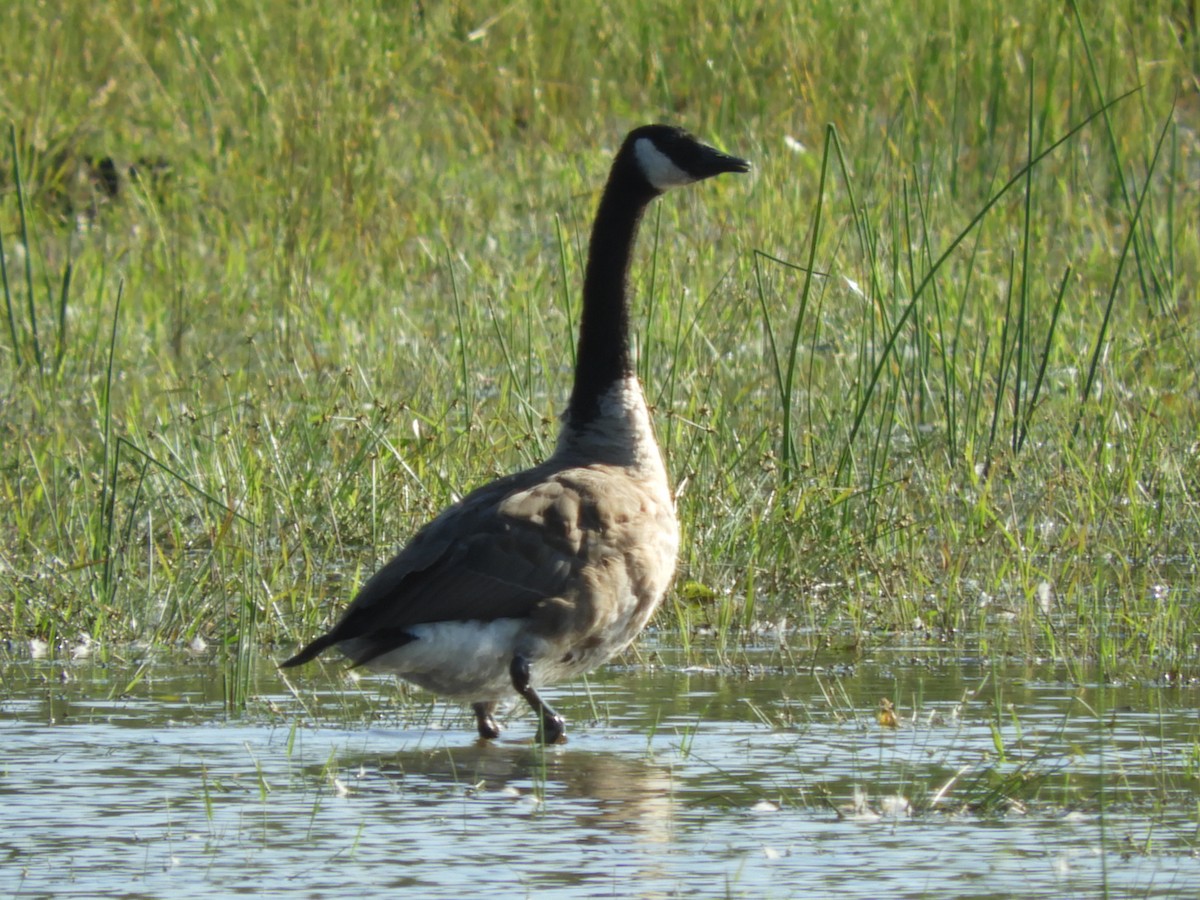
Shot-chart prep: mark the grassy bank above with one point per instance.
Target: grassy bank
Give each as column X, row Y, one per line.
column 932, row 367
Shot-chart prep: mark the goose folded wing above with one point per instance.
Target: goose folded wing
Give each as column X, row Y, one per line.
column 475, row 562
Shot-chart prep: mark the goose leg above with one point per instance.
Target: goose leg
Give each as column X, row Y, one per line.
column 553, row 728
column 484, row 721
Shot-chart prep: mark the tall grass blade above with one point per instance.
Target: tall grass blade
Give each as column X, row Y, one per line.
column 1031, row 403
column 463, row 345
column 8, row 302
column 1005, row 356
column 1130, row 240
column 63, row 297
column 787, row 451
column 776, row 365
column 1019, row 364
column 108, row 489
column 568, row 306
column 27, row 245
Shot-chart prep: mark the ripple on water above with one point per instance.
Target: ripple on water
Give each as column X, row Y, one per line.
column 763, row 780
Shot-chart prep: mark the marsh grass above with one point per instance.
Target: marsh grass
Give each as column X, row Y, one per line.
column 931, row 368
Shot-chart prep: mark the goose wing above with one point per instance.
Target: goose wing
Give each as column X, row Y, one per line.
column 497, row 554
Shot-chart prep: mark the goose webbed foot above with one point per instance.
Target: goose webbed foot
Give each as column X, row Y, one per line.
column 489, row 729
column 552, row 729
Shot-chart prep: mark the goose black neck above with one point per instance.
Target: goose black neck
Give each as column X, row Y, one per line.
column 603, row 356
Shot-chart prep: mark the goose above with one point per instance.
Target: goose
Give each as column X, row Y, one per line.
column 545, row 574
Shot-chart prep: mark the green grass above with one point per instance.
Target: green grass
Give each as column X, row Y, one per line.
column 933, row 366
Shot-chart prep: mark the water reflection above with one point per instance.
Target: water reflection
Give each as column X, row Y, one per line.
column 602, row 802
column 604, row 790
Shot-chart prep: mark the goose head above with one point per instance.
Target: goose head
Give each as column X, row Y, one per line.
column 665, row 157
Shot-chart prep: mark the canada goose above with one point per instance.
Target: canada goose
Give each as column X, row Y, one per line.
column 547, row 573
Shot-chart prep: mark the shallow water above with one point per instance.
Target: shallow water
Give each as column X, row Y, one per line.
column 763, row 778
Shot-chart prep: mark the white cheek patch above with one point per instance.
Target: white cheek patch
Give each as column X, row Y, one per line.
column 658, row 168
